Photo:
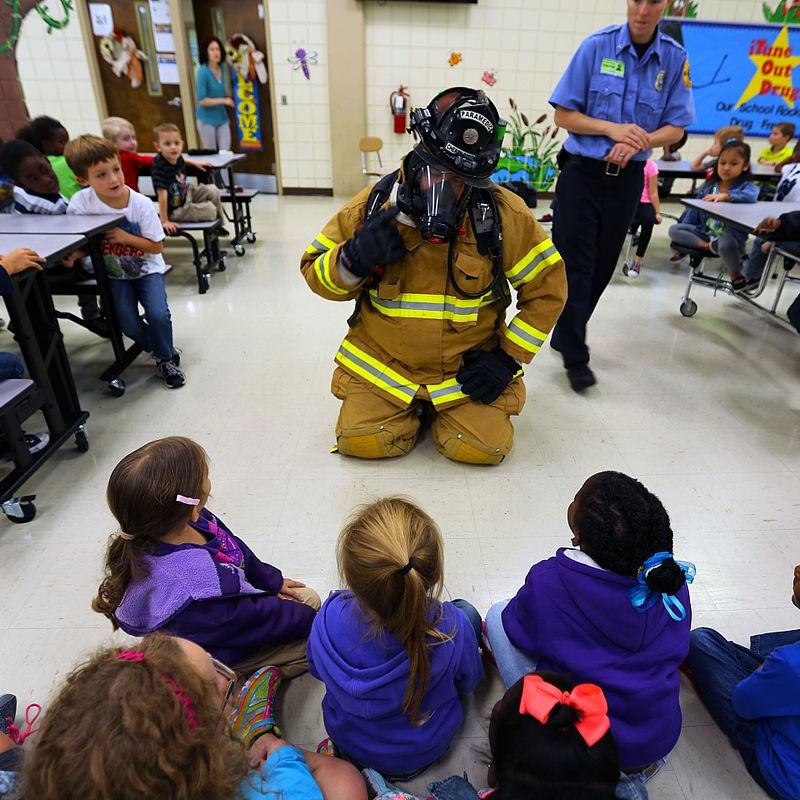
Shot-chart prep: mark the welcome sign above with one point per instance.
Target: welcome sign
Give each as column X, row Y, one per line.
column 741, row 74
column 247, row 112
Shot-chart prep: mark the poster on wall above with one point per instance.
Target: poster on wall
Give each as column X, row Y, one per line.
column 167, row 69
column 102, row 19
column 247, row 112
column 741, row 74
column 162, row 26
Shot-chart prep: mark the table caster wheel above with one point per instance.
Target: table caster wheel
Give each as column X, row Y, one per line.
column 239, row 250
column 251, row 237
column 117, row 387
column 688, row 307
column 205, row 282
column 20, row 509
column 82, row 439
column 222, row 265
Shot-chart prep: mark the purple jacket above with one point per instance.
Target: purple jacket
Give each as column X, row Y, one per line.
column 219, row 595
column 577, row 619
column 365, row 672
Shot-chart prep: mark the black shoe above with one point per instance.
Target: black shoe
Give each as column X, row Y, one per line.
column 581, row 377
column 171, row 375
column 223, row 232
column 37, row 441
column 176, row 358
column 8, row 709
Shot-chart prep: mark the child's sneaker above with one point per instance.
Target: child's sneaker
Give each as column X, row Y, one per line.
column 254, row 710
column 8, row 711
column 170, row 373
column 676, row 257
column 633, row 269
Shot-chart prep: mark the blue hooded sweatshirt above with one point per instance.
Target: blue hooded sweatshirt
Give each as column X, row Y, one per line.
column 365, row 672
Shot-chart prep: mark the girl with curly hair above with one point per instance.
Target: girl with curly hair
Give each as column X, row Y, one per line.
column 612, row 611
column 146, row 722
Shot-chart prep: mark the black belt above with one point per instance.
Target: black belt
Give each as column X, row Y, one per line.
column 605, row 167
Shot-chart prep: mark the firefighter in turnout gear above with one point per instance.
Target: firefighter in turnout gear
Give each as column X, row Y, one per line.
column 430, row 255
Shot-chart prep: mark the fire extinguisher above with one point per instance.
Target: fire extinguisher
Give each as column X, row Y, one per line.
column 398, row 104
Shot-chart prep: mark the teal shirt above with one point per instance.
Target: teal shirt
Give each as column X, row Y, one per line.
column 209, row 86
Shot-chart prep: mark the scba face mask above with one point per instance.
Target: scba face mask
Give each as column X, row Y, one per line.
column 436, row 200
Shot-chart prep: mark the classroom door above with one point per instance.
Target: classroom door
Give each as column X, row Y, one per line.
column 225, row 19
column 135, row 52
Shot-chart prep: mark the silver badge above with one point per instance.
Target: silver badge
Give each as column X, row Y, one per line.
column 660, row 80
column 470, row 136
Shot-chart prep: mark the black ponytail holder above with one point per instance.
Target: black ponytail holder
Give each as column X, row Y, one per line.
column 406, row 569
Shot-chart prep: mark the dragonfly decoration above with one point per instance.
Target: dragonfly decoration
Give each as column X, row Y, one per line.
column 302, row 59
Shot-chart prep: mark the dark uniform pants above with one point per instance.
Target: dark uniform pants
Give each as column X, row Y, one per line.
column 593, row 212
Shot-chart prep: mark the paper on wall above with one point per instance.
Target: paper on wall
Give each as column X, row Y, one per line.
column 167, row 68
column 102, row 19
column 162, row 26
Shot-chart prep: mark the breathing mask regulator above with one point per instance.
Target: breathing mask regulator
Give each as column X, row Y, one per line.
column 448, row 173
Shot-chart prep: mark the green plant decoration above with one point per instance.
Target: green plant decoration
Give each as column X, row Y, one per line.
column 784, row 12
column 52, row 23
column 681, row 8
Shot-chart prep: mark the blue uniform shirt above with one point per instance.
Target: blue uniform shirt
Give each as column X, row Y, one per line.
column 606, row 80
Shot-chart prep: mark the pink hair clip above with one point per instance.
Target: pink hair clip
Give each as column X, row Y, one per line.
column 187, row 501
column 130, row 655
column 188, row 706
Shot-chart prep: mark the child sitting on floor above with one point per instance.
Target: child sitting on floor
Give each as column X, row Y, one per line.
column 549, row 739
column 50, row 137
column 395, row 661
column 175, row 567
column 729, row 183
column 147, row 721
column 753, row 694
column 614, row 611
column 178, row 200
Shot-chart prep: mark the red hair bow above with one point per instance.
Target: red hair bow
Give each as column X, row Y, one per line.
column 539, row 698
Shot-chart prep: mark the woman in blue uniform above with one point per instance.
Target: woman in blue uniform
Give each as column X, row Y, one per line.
column 626, row 91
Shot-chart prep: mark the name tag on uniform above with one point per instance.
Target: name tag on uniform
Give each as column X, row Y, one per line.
column 610, row 66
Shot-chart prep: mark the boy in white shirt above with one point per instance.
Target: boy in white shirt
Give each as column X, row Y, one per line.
column 132, row 251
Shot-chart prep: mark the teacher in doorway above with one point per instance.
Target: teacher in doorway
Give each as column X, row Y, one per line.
column 213, row 98
column 626, row 91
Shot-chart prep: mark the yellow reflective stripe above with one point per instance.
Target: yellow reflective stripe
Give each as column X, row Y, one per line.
column 320, row 244
column 430, row 306
column 447, row 392
column 524, row 335
column 323, row 269
column 532, row 263
column 376, row 373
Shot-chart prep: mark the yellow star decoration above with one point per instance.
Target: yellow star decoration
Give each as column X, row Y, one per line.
column 773, row 75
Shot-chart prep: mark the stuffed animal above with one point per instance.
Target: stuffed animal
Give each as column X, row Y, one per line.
column 242, row 55
column 120, row 51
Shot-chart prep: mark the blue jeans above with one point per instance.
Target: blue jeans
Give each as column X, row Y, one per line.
column 754, row 265
column 473, row 615
column 155, row 335
column 512, row 663
column 11, row 366
column 719, row 666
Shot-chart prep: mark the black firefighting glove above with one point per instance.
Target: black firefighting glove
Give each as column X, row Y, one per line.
column 377, row 244
column 485, row 374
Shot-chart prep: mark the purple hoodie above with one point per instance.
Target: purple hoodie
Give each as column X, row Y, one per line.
column 577, row 619
column 366, row 671
column 219, row 595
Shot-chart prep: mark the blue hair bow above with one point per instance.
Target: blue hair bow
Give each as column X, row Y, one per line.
column 642, row 597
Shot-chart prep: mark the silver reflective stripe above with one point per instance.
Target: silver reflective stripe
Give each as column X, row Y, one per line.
column 416, row 305
column 348, row 355
column 447, row 390
column 520, row 276
column 534, row 340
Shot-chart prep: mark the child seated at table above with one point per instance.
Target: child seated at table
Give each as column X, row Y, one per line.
column 778, row 149
column 178, row 200
column 132, row 252
column 50, row 137
column 729, row 183
column 121, row 133
column 723, row 135
column 36, row 191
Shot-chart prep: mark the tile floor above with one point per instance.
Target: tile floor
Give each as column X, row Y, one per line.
column 705, row 411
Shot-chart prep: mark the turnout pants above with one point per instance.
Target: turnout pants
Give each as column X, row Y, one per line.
column 370, row 426
column 593, row 212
